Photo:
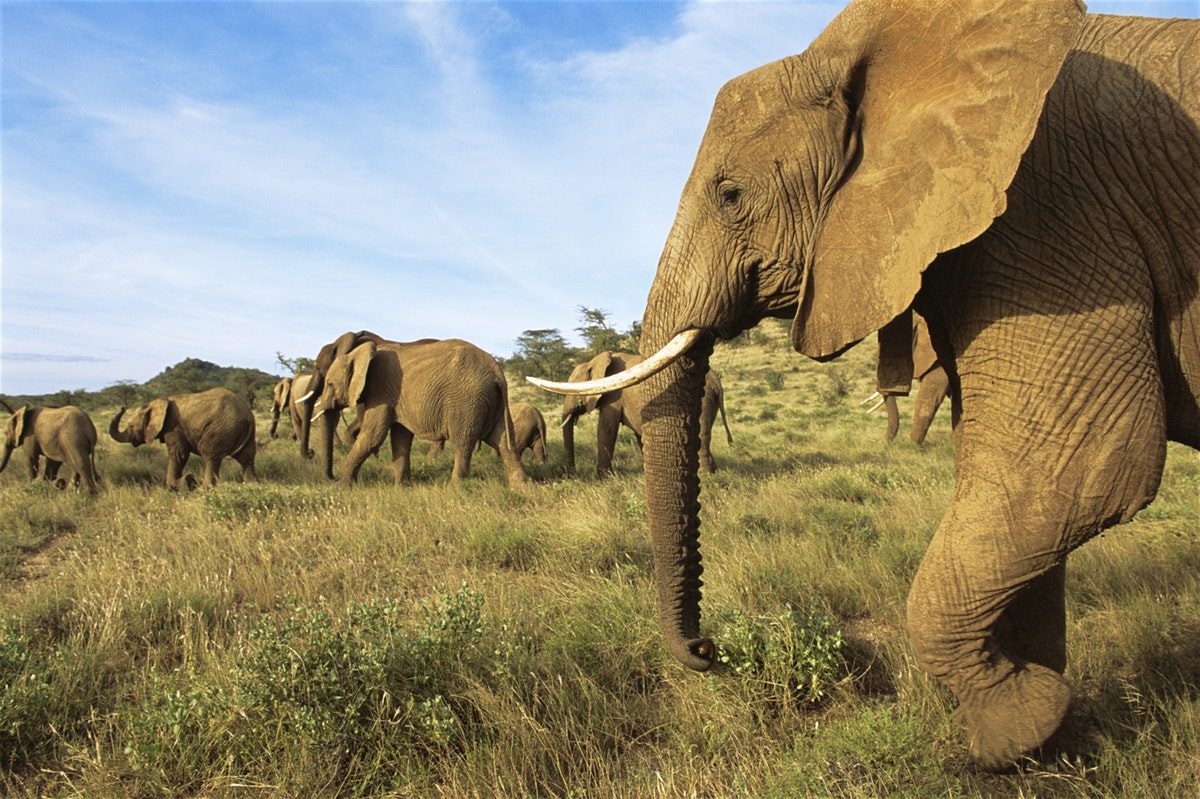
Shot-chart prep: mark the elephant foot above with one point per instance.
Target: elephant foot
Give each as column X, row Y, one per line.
column 1014, row 717
column 191, row 482
column 60, row 484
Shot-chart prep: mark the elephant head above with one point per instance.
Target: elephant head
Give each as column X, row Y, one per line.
column 345, row 380
column 147, row 423
column 824, row 186
column 20, row 424
column 340, row 346
column 575, row 405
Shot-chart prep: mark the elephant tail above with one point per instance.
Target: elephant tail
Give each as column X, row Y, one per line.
column 724, row 421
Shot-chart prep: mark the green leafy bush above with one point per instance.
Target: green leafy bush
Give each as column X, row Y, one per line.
column 794, row 656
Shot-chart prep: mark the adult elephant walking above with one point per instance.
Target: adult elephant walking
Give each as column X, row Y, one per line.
column 435, row 390
column 213, row 424
column 624, row 407
column 895, row 379
column 1027, row 181
column 62, row 435
column 283, row 401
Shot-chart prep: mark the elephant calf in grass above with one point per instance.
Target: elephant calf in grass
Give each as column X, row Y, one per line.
column 62, row 435
column 214, row 424
column 1026, row 177
column 529, row 432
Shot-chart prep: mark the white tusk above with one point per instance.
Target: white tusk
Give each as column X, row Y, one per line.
column 875, row 407
column 868, row 399
column 566, row 422
column 304, row 399
column 631, row 376
column 316, row 412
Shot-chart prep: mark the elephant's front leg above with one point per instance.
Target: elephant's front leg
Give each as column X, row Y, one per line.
column 376, row 422
column 606, row 439
column 177, row 457
column 402, row 439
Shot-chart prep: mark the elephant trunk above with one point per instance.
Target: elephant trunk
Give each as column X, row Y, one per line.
column 306, row 404
column 893, row 416
column 328, row 420
column 568, row 434
column 115, row 431
column 671, row 445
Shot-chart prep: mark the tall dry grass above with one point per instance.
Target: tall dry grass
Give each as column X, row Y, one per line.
column 296, row 639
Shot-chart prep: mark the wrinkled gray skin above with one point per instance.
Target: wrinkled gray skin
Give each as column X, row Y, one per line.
column 934, row 385
column 624, row 407
column 61, row 435
column 529, row 432
column 283, row 400
column 214, row 424
column 434, row 390
column 1028, row 182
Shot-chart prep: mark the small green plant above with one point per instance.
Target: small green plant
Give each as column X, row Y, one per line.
column 775, row 380
column 835, row 389
column 793, row 656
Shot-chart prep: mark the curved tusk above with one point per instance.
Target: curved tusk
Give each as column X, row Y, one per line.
column 305, row 398
column 868, row 399
column 875, row 407
column 631, row 376
column 566, row 422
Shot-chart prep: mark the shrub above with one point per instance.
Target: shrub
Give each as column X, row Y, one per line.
column 795, row 656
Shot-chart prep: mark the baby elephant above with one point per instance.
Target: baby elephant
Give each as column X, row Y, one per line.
column 63, row 435
column 214, row 424
column 529, row 432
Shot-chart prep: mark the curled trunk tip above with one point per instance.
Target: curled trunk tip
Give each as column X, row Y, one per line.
column 114, row 428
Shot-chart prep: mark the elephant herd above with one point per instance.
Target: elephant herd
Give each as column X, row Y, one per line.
column 1024, row 179
column 436, row 390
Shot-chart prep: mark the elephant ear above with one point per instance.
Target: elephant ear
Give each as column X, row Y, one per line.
column 359, row 364
column 20, row 424
column 160, row 417
column 598, row 367
column 944, row 98
column 283, row 390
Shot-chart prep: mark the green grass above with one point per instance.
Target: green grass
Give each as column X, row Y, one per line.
column 294, row 638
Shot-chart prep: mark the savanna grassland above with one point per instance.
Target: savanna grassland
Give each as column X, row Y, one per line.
column 294, row 638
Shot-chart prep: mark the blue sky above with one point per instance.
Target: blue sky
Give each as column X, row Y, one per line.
column 225, row 180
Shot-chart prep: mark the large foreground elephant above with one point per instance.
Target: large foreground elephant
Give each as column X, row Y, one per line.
column 624, row 407
column 1025, row 177
column 61, row 435
column 894, row 380
column 435, row 390
column 214, row 424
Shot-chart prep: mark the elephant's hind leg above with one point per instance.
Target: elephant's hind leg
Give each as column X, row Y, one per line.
column 514, row 472
column 212, row 470
column 463, row 450
column 245, row 458
column 402, row 439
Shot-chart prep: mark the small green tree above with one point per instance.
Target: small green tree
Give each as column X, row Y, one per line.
column 542, row 353
column 295, row 366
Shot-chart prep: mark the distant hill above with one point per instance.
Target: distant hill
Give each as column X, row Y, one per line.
column 190, row 374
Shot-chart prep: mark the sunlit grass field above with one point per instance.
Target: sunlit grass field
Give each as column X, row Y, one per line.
column 294, row 638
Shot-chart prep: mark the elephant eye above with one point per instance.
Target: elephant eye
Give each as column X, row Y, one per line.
column 730, row 195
